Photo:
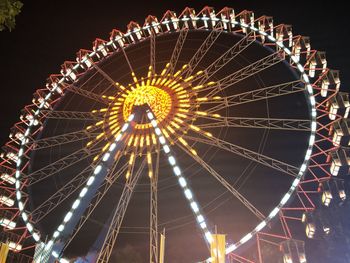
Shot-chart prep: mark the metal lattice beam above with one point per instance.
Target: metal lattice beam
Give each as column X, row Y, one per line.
column 249, row 154
column 259, row 123
column 153, row 51
column 87, row 94
column 72, row 115
column 118, row 216
column 59, row 165
column 110, row 179
column 202, row 50
column 177, row 50
column 225, row 58
column 153, row 237
column 224, row 183
column 63, row 138
column 245, row 72
column 273, row 91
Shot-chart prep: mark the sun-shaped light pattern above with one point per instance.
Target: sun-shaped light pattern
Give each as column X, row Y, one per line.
column 173, row 101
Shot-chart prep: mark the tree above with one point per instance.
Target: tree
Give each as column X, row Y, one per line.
column 9, row 9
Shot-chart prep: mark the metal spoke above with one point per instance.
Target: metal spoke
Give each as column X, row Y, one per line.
column 110, row 179
column 177, row 50
column 202, row 50
column 153, row 237
column 225, row 58
column 87, row 94
column 60, row 165
column 62, row 194
column 264, row 123
column 72, row 115
column 153, row 51
column 63, row 138
column 224, row 183
column 277, row 90
column 118, row 216
column 244, row 73
column 249, row 154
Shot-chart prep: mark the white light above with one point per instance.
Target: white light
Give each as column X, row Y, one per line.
column 150, row 115
column 194, row 207
column 118, row 137
column 309, row 88
column 308, row 154
column 125, row 126
column 49, row 245
column 90, row 181
column 296, row 182
column 313, row 126
column 200, row 219
column 161, row 139
column 231, row 248
column 68, row 217
column 98, row 169
column 166, row 148
column 18, row 195
column 312, row 139
column 203, row 225
column 24, row 216
column 29, row 227
column 274, row 212
column 301, row 68
column 182, row 182
column 171, row 160
column 246, row 238
column 154, row 123
column 20, row 205
column 83, row 192
column 54, row 253
column 303, row 167
column 157, row 130
column 306, row 78
column 60, row 228
column 188, row 194
column 63, row 260
column 131, row 117
column 56, row 234
column 285, row 198
column 7, row 223
column 18, row 174
column 312, row 100
column 177, row 171
column 260, row 226
column 36, row 237
column 106, row 157
column 209, row 237
column 76, row 204
column 112, row 147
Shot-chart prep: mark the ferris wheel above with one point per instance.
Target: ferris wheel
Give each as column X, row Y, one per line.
column 191, row 123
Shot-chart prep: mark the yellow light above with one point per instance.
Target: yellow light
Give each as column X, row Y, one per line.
column 193, row 151
column 99, row 136
column 89, row 143
column 111, row 98
column 134, row 77
column 95, row 158
column 197, row 87
column 175, row 125
column 216, row 115
column 183, row 141
column 130, row 140
column 189, row 78
column 178, row 120
column 199, row 72
column 88, row 127
column 202, row 99
column 149, row 158
column 148, row 141
column 195, row 128
column 131, row 160
column 136, row 141
column 208, row 134
column 202, row 113
column 170, row 129
column 181, row 115
column 142, row 140
column 106, row 147
column 184, row 105
column 184, row 110
column 166, row 134
column 154, row 140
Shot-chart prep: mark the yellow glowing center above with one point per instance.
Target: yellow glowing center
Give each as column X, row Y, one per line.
column 158, row 100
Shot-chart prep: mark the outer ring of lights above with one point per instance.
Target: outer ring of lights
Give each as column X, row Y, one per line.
column 273, row 213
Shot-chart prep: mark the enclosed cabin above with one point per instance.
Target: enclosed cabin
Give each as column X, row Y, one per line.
column 329, row 81
column 284, row 35
column 117, row 39
column 246, row 19
column 207, row 14
column 170, row 21
column 189, row 18
column 339, row 161
column 301, row 49
column 100, row 48
column 316, row 62
column 228, row 18
column 339, row 105
column 8, row 219
column 310, row 225
column 293, row 251
column 332, row 190
column 134, row 32
column 151, row 25
column 340, row 132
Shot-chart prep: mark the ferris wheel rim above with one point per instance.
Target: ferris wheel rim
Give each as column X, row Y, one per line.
column 272, row 214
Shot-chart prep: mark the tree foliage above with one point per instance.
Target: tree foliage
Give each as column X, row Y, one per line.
column 9, row 9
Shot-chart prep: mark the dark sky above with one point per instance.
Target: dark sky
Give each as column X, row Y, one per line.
column 50, row 32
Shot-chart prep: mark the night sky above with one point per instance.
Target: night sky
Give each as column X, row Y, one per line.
column 49, row 32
